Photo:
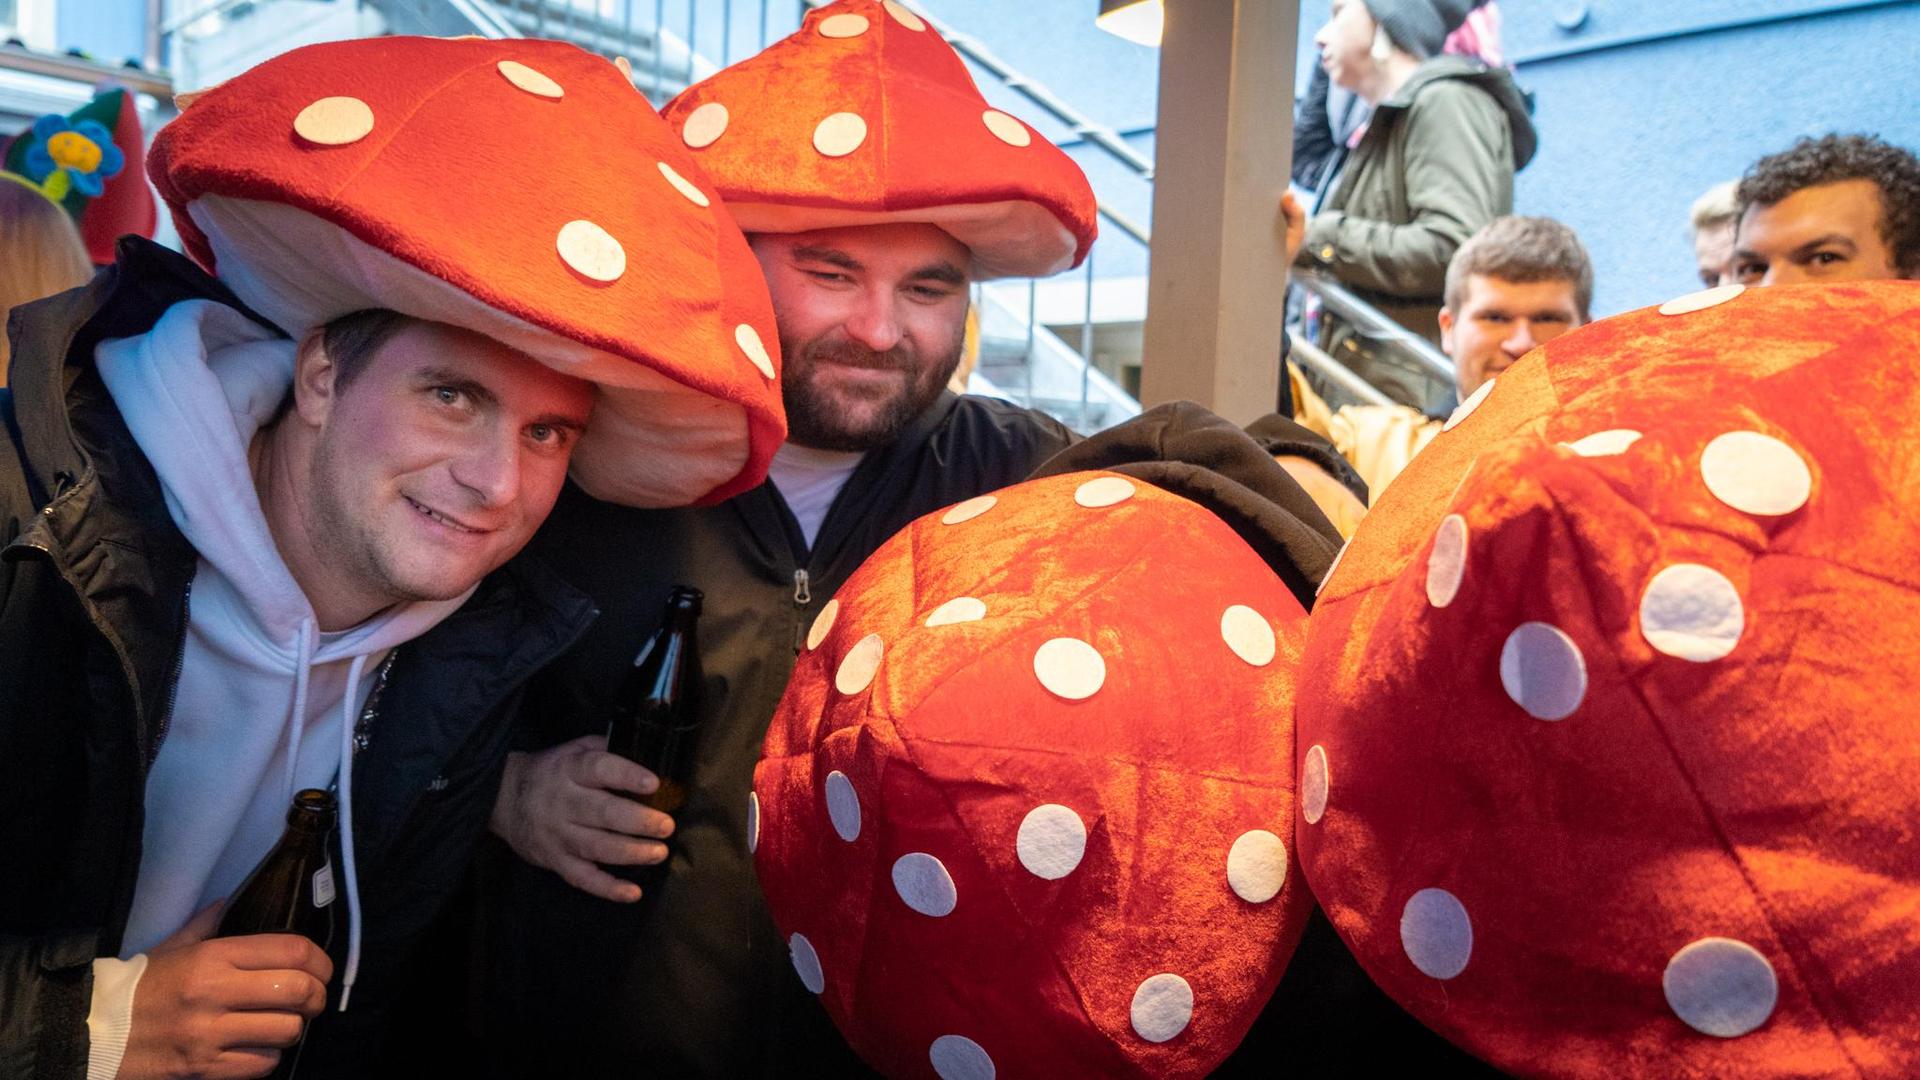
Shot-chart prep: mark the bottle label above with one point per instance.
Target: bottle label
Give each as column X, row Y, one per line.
column 323, row 886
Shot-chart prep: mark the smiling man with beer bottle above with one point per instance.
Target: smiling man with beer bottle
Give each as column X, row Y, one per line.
column 262, row 520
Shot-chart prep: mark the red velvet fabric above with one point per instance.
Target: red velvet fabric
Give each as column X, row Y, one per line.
column 1767, row 795
column 927, row 147
column 1184, row 747
column 470, row 178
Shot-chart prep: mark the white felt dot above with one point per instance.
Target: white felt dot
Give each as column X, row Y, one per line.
column 1435, row 931
column 1162, row 1007
column 1248, row 634
column 1466, row 407
column 822, row 624
column 1543, row 671
column 806, row 963
column 956, row 1057
column 1051, row 841
column 924, row 884
column 1722, row 987
column 1605, row 443
column 1257, row 866
column 1314, row 780
column 533, row 82
column 1331, row 567
column 334, row 121
column 843, row 806
column 1447, row 562
column 1756, row 474
column 1691, row 612
column 1103, row 491
column 969, row 510
column 843, row 26
column 625, row 67
column 840, row 134
column 684, row 186
column 704, row 125
column 1700, row 301
column 1070, row 668
column 591, row 251
column 753, row 822
column 906, row 18
column 755, row 349
column 960, row 609
column 1006, row 128
column 859, row 666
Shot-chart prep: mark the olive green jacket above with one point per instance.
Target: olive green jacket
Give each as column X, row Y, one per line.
column 1435, row 165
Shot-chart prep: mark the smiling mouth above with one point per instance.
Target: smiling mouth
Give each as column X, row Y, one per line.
column 442, row 518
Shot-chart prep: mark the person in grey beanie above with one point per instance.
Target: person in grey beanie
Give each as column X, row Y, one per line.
column 1420, row 27
column 1435, row 164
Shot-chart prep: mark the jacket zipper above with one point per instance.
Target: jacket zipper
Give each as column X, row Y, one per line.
column 173, row 683
column 802, row 596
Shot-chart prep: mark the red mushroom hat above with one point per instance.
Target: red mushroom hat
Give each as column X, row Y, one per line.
column 1610, row 760
column 865, row 115
column 521, row 189
column 1025, row 808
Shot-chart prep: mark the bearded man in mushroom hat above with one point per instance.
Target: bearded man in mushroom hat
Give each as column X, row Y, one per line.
column 876, row 185
column 264, row 506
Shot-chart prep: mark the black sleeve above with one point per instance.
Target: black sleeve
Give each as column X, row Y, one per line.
column 46, row 990
column 1278, row 434
column 1312, row 132
column 1189, row 451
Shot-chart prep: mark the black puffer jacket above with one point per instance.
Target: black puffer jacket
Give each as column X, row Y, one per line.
column 94, row 593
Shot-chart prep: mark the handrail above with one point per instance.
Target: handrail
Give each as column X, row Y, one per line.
column 86, row 72
column 1314, row 358
column 1374, row 325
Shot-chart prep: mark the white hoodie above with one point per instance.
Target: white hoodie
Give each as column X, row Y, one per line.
column 265, row 703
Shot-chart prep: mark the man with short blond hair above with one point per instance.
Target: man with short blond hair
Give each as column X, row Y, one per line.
column 1513, row 286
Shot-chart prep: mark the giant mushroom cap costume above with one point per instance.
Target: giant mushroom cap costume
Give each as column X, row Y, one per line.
column 866, row 116
column 1024, row 808
column 521, row 189
column 1610, row 761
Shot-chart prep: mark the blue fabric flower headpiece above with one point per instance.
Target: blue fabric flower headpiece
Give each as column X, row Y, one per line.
column 66, row 155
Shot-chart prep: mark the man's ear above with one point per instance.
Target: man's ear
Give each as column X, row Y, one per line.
column 1446, row 331
column 314, row 376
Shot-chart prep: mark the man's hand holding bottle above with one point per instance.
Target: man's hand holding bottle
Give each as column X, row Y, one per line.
column 222, row 1008
column 573, row 809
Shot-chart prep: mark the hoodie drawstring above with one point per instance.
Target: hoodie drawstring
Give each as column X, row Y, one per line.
column 348, row 711
column 302, row 665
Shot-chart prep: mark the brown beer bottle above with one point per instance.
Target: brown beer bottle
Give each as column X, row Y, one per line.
column 657, row 710
column 291, row 891
column 656, row 714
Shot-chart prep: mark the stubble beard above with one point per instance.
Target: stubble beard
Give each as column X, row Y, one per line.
column 815, row 417
column 350, row 543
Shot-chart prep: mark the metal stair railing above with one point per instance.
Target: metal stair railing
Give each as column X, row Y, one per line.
column 1315, row 360
column 1374, row 325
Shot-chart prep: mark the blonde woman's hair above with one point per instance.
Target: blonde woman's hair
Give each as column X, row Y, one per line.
column 40, row 254
column 1718, row 205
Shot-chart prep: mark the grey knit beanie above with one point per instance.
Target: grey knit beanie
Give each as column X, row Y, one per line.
column 1420, row 26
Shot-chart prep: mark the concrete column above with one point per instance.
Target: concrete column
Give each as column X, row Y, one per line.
column 1223, row 148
